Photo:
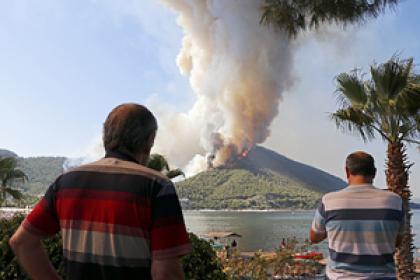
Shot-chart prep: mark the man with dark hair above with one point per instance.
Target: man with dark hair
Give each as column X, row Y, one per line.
column 362, row 224
column 118, row 219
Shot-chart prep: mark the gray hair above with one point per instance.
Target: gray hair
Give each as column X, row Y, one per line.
column 128, row 127
column 361, row 163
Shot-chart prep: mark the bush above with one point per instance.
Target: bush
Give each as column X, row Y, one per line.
column 283, row 264
column 9, row 267
column 201, row 264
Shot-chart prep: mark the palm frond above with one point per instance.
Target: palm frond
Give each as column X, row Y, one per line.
column 354, row 120
column 15, row 174
column 408, row 129
column 9, row 171
column 299, row 15
column 158, row 163
column 285, row 15
column 408, row 101
column 7, row 163
column 351, row 89
column 175, row 173
column 14, row 193
column 391, row 77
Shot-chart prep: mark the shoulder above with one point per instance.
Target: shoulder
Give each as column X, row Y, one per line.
column 117, row 166
column 332, row 195
column 391, row 194
column 387, row 194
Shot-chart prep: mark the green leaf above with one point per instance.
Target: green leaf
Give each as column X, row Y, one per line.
column 158, row 163
column 175, row 173
column 352, row 119
column 292, row 17
column 351, row 89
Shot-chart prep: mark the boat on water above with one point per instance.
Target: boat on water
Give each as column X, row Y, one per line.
column 221, row 239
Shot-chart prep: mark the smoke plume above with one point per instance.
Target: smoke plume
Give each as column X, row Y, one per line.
column 238, row 70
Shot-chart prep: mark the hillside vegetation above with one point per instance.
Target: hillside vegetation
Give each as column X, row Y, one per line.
column 262, row 180
column 240, row 189
column 41, row 172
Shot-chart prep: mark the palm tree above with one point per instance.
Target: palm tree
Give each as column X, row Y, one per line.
column 293, row 16
column 388, row 105
column 8, row 174
column 159, row 163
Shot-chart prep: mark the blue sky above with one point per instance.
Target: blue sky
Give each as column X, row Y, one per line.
column 65, row 64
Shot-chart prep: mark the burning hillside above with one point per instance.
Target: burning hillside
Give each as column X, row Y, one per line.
column 232, row 160
column 261, row 179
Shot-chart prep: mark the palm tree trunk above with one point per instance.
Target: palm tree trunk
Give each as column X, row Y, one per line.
column 397, row 181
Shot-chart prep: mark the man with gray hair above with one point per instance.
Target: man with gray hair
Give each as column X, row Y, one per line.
column 362, row 225
column 118, row 218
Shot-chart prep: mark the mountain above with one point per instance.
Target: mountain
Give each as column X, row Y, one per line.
column 7, row 153
column 41, row 172
column 415, row 206
column 262, row 180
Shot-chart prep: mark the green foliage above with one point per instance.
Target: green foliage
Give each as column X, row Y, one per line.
column 254, row 268
column 9, row 267
column 200, row 265
column 41, row 172
column 175, row 173
column 282, row 264
column 160, row 163
column 294, row 16
column 9, row 173
column 387, row 104
column 240, row 188
column 203, row 263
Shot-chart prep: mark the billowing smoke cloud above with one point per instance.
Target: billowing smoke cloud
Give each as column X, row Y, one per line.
column 238, row 70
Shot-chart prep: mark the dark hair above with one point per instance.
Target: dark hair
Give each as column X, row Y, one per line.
column 128, row 127
column 361, row 163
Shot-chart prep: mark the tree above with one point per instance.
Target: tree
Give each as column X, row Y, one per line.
column 203, row 262
column 8, row 174
column 293, row 16
column 387, row 105
column 159, row 163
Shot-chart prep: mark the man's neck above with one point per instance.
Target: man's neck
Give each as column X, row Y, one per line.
column 357, row 180
column 142, row 158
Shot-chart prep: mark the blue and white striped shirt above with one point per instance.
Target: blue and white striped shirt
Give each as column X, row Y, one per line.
column 362, row 224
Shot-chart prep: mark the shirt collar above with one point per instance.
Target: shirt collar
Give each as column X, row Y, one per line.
column 359, row 187
column 121, row 155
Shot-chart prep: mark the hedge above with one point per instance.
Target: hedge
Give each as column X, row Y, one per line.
column 201, row 264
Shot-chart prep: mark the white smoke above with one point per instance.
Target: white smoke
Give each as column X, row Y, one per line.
column 238, row 70
column 93, row 152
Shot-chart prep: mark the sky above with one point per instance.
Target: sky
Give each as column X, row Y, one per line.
column 65, row 64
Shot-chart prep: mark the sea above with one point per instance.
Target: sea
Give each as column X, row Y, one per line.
column 264, row 230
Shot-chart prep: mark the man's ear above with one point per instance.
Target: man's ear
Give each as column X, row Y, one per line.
column 347, row 173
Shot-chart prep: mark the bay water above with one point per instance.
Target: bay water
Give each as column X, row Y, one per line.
column 263, row 229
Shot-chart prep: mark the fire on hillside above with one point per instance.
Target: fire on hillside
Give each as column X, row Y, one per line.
column 232, row 160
